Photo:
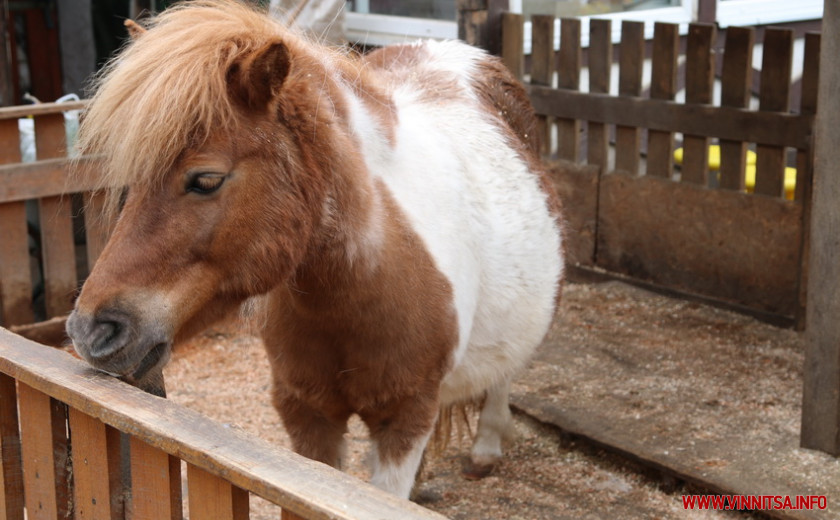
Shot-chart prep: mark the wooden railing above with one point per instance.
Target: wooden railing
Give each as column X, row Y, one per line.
column 79, row 443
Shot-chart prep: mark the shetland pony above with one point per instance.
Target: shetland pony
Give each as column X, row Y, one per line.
column 391, row 209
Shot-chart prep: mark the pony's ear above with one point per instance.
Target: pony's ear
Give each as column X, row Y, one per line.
column 256, row 80
column 135, row 30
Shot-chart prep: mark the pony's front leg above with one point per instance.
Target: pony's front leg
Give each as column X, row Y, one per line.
column 399, row 442
column 313, row 434
column 495, row 425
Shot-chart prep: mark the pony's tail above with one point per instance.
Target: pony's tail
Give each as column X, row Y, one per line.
column 455, row 422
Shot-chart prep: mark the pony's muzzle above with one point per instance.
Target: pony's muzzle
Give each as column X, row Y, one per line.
column 112, row 341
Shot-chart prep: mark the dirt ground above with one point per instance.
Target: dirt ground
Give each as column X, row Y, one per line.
column 617, row 355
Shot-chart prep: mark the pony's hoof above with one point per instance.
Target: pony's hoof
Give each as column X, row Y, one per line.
column 473, row 471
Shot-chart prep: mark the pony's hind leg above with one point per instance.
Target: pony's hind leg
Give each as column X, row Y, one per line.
column 399, row 441
column 495, row 426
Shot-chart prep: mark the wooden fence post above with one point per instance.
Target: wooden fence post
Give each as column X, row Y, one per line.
column 630, row 58
column 479, row 23
column 821, row 395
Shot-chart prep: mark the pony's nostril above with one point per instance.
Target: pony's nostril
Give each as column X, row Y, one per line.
column 104, row 333
column 100, row 336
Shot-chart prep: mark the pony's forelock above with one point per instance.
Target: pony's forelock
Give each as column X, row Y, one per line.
column 167, row 90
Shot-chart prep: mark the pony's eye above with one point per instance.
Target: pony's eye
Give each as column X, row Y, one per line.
column 205, row 183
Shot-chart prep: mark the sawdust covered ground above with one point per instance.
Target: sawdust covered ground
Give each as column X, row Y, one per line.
column 545, row 473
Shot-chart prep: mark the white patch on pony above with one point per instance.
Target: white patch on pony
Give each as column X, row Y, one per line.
column 397, row 478
column 481, row 213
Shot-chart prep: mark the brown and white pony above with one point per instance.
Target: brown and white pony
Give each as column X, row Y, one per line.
column 390, row 208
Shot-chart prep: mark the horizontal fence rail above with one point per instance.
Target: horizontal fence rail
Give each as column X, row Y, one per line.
column 64, row 428
column 674, row 169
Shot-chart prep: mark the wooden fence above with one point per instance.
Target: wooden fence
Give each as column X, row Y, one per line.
column 632, row 209
column 50, row 226
column 79, row 444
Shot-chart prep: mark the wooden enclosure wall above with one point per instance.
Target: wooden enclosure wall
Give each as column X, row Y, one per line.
column 77, row 443
column 43, row 213
column 631, row 209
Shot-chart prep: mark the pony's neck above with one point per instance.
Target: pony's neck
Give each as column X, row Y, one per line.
column 349, row 238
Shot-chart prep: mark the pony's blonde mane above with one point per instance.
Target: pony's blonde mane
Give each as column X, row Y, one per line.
column 167, row 90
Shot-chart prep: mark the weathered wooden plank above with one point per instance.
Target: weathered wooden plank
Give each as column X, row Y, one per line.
column 213, row 498
column 47, row 178
column 542, row 69
column 303, row 486
column 48, row 332
column 58, row 255
column 805, row 166
column 16, row 112
column 660, row 150
column 11, row 476
column 568, row 130
column 699, row 81
column 630, row 61
column 151, row 483
column 513, row 43
column 46, row 476
column 735, row 92
column 15, row 276
column 56, row 223
column 775, row 129
column 600, row 68
column 774, row 96
column 808, row 106
column 731, row 246
column 821, row 370
column 119, row 464
column 9, row 141
column 176, row 498
column 91, row 477
column 50, row 136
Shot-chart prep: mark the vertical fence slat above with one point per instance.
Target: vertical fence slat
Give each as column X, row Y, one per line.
column 736, row 84
column 542, row 69
column 153, row 479
column 44, row 449
column 91, row 469
column 600, row 68
column 568, row 130
column 513, row 43
column 213, row 498
column 56, row 223
column 699, row 81
column 58, row 251
column 805, row 168
column 666, row 41
column 808, row 106
column 774, row 96
column 15, row 277
column 631, row 61
column 11, row 477
column 117, row 444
